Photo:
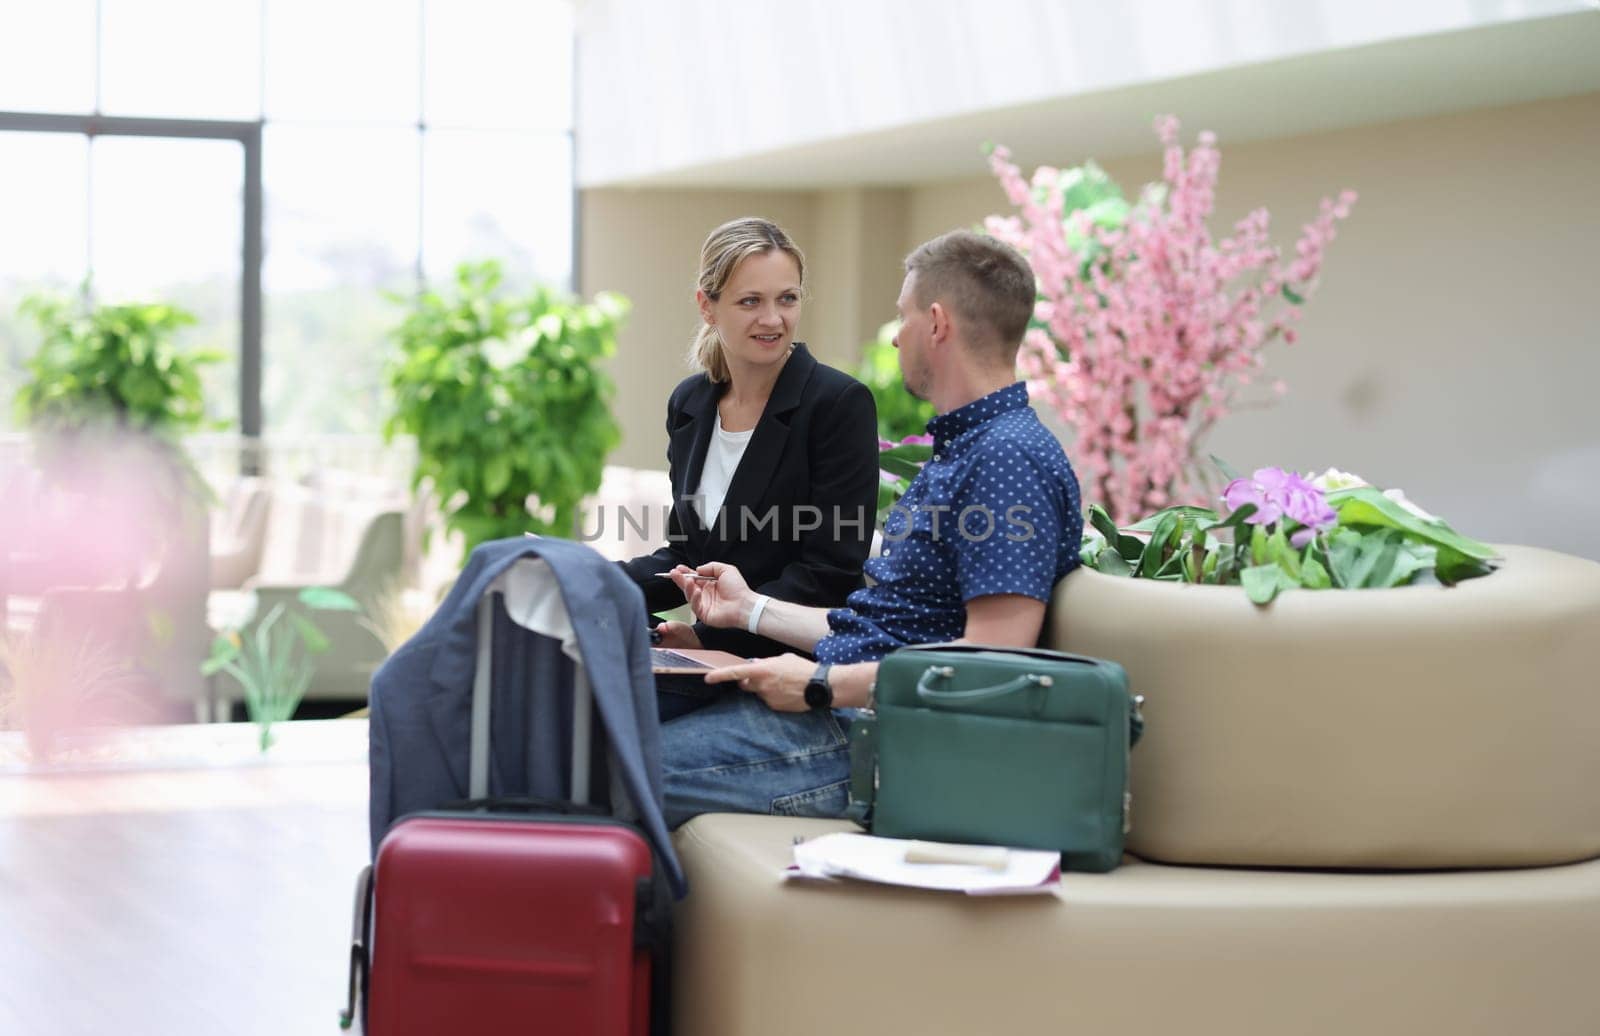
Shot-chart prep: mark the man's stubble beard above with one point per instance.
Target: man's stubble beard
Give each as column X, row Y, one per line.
column 918, row 387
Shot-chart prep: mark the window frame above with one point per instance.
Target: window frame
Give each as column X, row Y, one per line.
column 249, row 134
column 246, row 134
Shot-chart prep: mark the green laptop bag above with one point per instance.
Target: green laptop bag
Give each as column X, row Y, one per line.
column 998, row 746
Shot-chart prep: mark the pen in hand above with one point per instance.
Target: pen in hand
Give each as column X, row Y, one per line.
column 692, row 575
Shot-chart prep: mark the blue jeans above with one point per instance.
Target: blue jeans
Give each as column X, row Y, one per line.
column 735, row 755
column 677, row 695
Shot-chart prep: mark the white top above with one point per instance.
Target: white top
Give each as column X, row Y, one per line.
column 722, row 460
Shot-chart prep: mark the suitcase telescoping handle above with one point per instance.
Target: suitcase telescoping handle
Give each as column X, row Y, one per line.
column 482, row 692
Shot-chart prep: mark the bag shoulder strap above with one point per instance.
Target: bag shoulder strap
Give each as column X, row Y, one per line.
column 863, row 768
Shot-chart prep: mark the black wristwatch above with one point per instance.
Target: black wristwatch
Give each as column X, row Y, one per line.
column 818, row 694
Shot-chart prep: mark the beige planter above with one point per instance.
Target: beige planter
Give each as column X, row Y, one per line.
column 1420, row 727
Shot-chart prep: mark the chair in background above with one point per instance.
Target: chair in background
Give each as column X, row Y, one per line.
column 239, row 532
column 356, row 643
column 154, row 619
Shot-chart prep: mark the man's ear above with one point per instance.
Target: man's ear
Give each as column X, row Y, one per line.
column 703, row 300
column 938, row 322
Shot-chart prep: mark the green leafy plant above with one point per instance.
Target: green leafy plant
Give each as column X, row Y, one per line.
column 1284, row 532
column 114, row 365
column 898, row 464
column 109, row 388
column 508, row 402
column 272, row 662
column 900, row 414
column 1089, row 190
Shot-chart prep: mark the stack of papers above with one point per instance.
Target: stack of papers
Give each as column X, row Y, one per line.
column 990, row 872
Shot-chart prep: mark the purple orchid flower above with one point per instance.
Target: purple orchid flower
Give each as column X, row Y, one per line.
column 1243, row 491
column 1278, row 494
column 1307, row 505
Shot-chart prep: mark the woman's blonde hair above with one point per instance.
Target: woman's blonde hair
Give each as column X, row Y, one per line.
column 725, row 248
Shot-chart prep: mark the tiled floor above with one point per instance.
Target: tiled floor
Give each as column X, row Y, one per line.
column 210, row 898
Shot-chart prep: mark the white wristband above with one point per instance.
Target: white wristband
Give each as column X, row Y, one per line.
column 755, row 613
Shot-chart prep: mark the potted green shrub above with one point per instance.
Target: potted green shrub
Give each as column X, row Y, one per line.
column 508, row 402
column 113, row 369
column 107, row 396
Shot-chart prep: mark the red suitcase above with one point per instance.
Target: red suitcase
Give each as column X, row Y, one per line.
column 511, row 915
column 503, row 924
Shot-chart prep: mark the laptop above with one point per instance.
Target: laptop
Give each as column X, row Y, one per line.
column 690, row 661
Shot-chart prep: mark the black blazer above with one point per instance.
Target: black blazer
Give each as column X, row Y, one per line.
column 815, row 446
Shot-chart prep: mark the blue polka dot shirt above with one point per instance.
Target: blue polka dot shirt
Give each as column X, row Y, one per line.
column 995, row 511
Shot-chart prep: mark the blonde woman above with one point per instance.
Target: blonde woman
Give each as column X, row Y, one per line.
column 773, row 456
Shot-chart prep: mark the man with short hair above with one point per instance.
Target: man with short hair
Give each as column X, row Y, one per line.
column 971, row 552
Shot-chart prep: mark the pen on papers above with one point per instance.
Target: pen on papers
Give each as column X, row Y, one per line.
column 994, row 858
column 692, row 575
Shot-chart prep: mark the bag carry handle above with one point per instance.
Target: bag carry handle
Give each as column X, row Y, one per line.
column 1043, row 654
column 927, row 693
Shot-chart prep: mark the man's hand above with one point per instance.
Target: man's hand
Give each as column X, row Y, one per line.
column 677, row 635
column 720, row 597
column 724, row 600
column 779, row 682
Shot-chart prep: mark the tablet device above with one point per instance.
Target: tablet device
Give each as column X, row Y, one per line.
column 686, row 660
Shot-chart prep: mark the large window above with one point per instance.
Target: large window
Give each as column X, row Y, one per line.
column 398, row 137
column 44, row 186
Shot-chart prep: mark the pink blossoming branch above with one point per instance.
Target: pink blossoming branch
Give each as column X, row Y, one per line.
column 1146, row 328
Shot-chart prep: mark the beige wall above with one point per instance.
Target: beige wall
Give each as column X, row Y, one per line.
column 856, row 270
column 1453, row 349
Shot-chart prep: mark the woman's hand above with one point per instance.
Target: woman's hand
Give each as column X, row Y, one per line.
column 779, row 682
column 677, row 635
column 723, row 600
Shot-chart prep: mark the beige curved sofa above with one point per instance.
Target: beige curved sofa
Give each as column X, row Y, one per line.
column 1434, row 738
column 1147, row 950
